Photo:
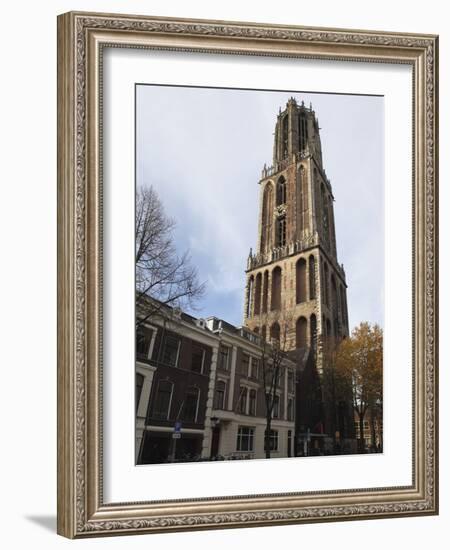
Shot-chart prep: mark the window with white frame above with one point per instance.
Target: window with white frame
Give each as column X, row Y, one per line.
column 190, row 405
column 170, row 350
column 254, row 368
column 290, row 381
column 242, row 404
column 273, row 440
column 290, row 410
column 143, row 341
column 366, row 428
column 224, row 357
column 197, row 359
column 245, row 364
column 276, row 407
column 161, row 409
column 245, row 438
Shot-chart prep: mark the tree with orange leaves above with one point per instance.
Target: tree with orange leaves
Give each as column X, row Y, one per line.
column 359, row 360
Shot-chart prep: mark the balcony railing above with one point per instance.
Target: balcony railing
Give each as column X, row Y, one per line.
column 257, row 260
column 280, row 165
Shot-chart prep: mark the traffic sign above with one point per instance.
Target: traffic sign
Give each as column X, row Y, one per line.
column 176, row 435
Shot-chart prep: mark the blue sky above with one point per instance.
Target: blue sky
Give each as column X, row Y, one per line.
column 203, row 149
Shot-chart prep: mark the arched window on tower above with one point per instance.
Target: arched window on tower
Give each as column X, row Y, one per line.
column 303, row 195
column 267, row 215
column 300, row 278
column 265, row 298
column 281, row 231
column 343, row 308
column 250, row 296
column 313, row 331
column 284, row 132
column 322, row 278
column 275, row 332
column 263, row 332
column 336, row 328
column 302, row 132
column 312, row 277
column 258, row 284
column 326, row 284
column 281, row 191
column 276, row 289
column 330, row 223
column 301, row 333
column 325, row 216
column 333, row 291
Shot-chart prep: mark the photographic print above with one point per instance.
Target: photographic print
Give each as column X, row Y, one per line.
column 259, row 274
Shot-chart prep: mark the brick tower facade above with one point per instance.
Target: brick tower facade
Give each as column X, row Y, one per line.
column 295, row 284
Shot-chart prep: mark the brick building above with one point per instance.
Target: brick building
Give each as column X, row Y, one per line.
column 238, row 416
column 174, row 373
column 203, row 378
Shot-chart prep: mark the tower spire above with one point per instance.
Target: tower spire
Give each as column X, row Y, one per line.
column 296, row 131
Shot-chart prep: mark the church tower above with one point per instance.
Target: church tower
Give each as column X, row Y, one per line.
column 295, row 284
column 296, row 291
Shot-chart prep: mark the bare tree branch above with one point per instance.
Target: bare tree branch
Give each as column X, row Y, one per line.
column 273, row 356
column 161, row 273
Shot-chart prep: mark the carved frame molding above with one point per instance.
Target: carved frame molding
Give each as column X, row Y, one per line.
column 81, row 37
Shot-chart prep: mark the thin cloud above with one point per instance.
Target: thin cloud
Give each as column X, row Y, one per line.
column 203, row 150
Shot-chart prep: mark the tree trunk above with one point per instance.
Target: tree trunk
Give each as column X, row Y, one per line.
column 373, row 436
column 334, row 410
column 267, row 435
column 362, row 444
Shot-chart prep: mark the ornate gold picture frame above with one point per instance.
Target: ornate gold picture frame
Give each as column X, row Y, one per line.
column 82, row 41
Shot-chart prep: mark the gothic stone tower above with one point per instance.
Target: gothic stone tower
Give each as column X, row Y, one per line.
column 295, row 284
